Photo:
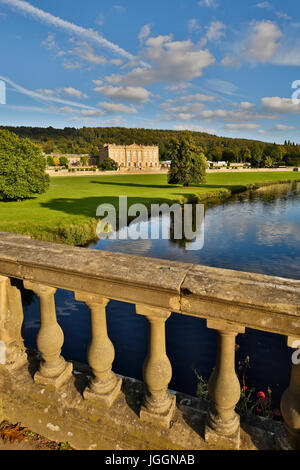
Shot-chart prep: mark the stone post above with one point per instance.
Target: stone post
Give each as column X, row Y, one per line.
column 54, row 370
column 105, row 387
column 12, row 351
column 223, row 423
column 290, row 402
column 159, row 406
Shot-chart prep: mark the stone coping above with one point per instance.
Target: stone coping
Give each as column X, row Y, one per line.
column 253, row 300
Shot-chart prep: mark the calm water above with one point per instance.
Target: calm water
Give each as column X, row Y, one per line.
column 258, row 232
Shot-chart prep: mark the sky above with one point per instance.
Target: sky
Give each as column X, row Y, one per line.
column 226, row 67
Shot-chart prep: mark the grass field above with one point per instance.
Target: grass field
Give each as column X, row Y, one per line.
column 66, row 212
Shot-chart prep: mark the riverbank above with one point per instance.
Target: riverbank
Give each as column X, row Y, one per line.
column 66, row 213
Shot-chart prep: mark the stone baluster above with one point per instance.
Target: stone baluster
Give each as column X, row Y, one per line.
column 290, row 402
column 54, row 370
column 159, row 406
column 12, row 351
column 223, row 423
column 105, row 386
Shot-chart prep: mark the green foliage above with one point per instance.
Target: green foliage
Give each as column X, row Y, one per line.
column 268, row 162
column 108, row 164
column 244, row 154
column 50, row 161
column 22, row 168
column 274, row 153
column 188, row 162
column 84, row 160
column 88, row 139
column 63, row 161
column 256, row 156
column 228, row 155
column 56, row 161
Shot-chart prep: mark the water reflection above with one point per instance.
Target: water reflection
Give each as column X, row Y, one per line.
column 257, row 231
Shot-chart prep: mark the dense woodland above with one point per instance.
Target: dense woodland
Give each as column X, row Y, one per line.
column 86, row 141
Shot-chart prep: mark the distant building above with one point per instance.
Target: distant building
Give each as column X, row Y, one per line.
column 131, row 156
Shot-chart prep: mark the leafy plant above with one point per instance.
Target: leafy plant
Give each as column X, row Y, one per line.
column 10, row 432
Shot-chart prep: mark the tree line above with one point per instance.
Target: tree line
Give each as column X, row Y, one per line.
column 87, row 140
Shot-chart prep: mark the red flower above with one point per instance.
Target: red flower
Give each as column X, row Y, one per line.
column 261, row 395
column 245, row 388
column 258, row 410
column 276, row 413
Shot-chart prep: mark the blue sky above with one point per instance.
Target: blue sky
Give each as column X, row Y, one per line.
column 221, row 66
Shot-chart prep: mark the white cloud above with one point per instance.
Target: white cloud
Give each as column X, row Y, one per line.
column 144, row 32
column 100, row 20
column 193, row 26
column 71, row 28
column 116, row 61
column 242, row 126
column 193, row 127
column 263, row 41
column 117, row 108
column 283, row 127
column 288, row 55
column 178, row 86
column 264, row 5
column 40, row 96
column 247, row 105
column 207, row 3
column 85, row 52
column 283, row 15
column 119, row 8
column 125, row 93
column 173, row 61
column 280, row 105
column 215, row 31
column 67, row 91
column 221, row 86
column 230, row 61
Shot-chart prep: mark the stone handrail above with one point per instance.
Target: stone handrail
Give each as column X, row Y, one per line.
column 229, row 300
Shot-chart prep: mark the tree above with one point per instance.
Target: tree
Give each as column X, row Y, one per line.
column 22, row 168
column 268, row 162
column 108, row 164
column 50, row 161
column 56, row 161
column 215, row 154
column 63, row 161
column 229, row 155
column 244, row 154
column 188, row 162
column 274, row 152
column 84, row 161
column 256, row 156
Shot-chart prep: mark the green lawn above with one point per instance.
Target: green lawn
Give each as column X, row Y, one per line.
column 72, row 201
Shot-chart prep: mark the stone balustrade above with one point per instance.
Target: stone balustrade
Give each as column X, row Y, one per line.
column 230, row 301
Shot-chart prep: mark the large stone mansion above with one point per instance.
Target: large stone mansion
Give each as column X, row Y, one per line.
column 131, row 156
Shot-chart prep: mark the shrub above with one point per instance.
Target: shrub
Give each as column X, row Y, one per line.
column 296, row 169
column 108, row 165
column 22, row 168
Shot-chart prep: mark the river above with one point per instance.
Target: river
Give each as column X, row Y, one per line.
column 258, row 231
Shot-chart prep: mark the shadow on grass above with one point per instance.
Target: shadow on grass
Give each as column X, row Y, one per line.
column 232, row 187
column 88, row 206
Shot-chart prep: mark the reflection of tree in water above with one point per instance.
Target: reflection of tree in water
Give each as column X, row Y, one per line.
column 181, row 242
column 269, row 194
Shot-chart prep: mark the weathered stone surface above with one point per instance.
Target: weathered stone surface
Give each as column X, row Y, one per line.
column 124, row 277
column 232, row 299
column 64, row 416
column 12, row 352
column 253, row 300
